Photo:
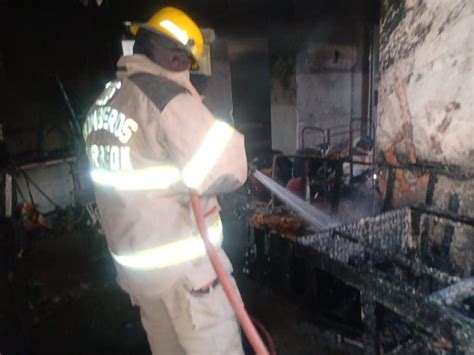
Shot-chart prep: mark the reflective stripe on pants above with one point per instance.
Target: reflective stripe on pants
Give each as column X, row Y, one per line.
column 173, row 253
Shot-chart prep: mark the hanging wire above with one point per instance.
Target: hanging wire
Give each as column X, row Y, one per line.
column 28, row 187
column 81, row 216
column 29, row 180
column 22, row 195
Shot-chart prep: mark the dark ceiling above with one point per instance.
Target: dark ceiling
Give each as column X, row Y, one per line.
column 79, row 41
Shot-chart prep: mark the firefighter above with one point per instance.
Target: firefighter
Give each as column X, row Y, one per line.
column 149, row 141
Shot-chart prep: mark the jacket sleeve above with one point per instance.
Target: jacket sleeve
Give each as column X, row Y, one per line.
column 209, row 152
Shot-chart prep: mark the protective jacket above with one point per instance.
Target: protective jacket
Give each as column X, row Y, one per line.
column 149, row 139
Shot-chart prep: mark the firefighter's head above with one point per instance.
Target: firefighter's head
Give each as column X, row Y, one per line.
column 170, row 38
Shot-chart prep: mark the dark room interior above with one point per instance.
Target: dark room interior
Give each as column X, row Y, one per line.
column 352, row 231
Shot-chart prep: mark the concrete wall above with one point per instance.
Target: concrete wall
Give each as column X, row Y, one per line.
column 427, row 81
column 329, row 85
column 250, row 71
column 324, row 78
column 54, row 180
column 425, row 116
column 217, row 89
column 284, row 129
column 283, row 101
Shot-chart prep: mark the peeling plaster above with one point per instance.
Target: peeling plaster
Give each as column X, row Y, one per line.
column 426, row 112
column 433, row 84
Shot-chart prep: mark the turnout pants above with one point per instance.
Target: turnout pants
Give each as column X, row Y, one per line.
column 182, row 321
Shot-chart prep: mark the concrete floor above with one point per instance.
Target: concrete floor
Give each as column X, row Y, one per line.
column 290, row 322
column 75, row 306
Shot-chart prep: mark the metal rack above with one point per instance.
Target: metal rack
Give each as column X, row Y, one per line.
column 328, row 135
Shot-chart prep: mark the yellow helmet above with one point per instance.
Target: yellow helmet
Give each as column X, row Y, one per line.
column 178, row 26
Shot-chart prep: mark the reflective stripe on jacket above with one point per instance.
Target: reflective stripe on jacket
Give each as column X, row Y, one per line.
column 149, row 139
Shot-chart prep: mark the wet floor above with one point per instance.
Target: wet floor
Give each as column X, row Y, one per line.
column 73, row 305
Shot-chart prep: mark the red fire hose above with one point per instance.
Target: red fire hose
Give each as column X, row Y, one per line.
column 241, row 313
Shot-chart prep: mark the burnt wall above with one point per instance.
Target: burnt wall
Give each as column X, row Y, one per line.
column 320, row 73
column 217, row 88
column 250, row 72
column 425, row 115
column 283, row 87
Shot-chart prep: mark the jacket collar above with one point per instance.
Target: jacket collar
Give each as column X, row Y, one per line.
column 138, row 63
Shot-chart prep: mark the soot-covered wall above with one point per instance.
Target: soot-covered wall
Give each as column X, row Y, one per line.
column 425, row 116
